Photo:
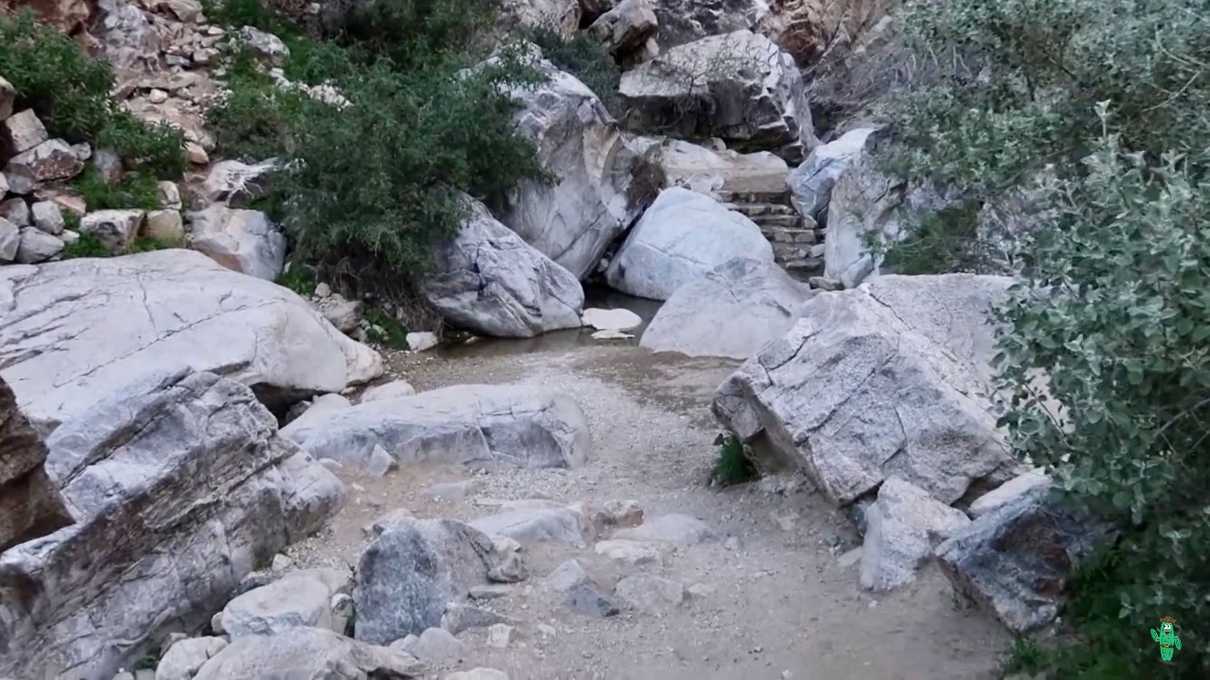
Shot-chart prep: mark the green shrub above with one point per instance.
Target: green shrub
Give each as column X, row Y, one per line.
column 385, row 329
column 299, row 278
column 585, row 58
column 944, row 241
column 733, row 465
column 70, row 93
column 135, row 190
column 85, row 246
column 256, row 120
column 416, row 33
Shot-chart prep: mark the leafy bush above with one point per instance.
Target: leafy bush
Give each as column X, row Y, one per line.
column 417, row 33
column 733, row 465
column 256, row 120
column 299, row 278
column 70, row 93
column 944, row 241
column 85, row 246
column 135, row 190
column 585, row 58
column 385, row 329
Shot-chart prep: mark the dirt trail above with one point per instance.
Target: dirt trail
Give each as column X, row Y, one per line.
column 782, row 604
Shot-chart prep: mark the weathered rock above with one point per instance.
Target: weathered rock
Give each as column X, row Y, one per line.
column 613, row 514
column 50, row 160
column 241, row 240
column 391, row 390
column 567, row 576
column 885, row 380
column 681, row 237
column 234, row 183
column 478, row 674
column 650, row 594
column 169, row 195
column 108, row 165
column 185, row 658
column 584, row 598
column 8, row 98
column 265, row 46
column 344, row 314
column 683, row 21
column 165, row 226
column 411, row 572
column 179, row 486
column 628, row 552
column 47, row 217
column 674, row 528
column 626, row 28
column 37, row 246
column 490, row 281
column 558, row 16
column 709, row 172
column 317, row 408
column 460, row 424
column 308, row 654
column 459, row 618
column 611, row 319
column 561, row 525
column 30, row 505
column 15, row 210
column 867, row 205
column 739, row 86
column 300, row 598
column 1009, row 491
column 812, row 182
column 21, row 132
column 572, row 221
column 509, row 565
column 64, row 346
column 436, row 645
column 422, row 341
column 732, row 311
column 1016, row 560
column 499, row 635
column 126, row 37
column 902, row 528
column 115, row 229
column 10, row 240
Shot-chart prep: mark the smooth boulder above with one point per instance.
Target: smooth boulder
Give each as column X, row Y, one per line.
column 241, row 240
column 812, row 182
column 574, row 218
column 740, row 87
column 300, row 598
column 732, row 311
column 513, row 424
column 713, row 171
column 77, row 331
column 885, row 380
column 488, row 280
column 308, row 654
column 178, row 490
column 681, row 237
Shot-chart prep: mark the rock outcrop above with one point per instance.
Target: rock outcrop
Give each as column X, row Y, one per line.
column 77, row 331
column 731, row 311
column 681, row 237
column 573, row 219
column 488, row 280
column 740, row 87
column 178, row 490
column 886, row 380
column 30, row 505
column 513, row 424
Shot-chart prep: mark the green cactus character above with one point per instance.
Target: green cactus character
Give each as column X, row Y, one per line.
column 1166, row 636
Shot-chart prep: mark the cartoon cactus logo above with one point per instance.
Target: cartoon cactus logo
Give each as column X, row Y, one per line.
column 1169, row 641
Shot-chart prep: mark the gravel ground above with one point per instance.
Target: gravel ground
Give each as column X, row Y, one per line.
column 771, row 597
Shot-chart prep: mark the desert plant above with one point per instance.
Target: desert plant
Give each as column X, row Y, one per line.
column 135, row 190
column 733, row 465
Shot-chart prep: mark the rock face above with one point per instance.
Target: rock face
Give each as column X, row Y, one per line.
column 681, row 237
column 240, row 240
column 460, row 424
column 902, row 527
column 1017, row 559
column 412, row 571
column 300, row 598
column 885, row 380
column 812, row 182
column 308, row 654
column 732, row 311
column 490, row 281
column 30, row 505
column 739, row 86
column 178, row 490
column 574, row 219
column 76, row 331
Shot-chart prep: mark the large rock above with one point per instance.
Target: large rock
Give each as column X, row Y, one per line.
column 710, row 172
column 412, row 571
column 10, row 240
column 681, row 237
column 885, row 380
column 234, row 182
column 51, row 160
column 533, row 525
column 74, row 332
column 36, row 246
column 626, row 28
column 179, row 488
column 126, row 37
column 184, row 659
column 240, row 240
column 514, row 424
column 1017, row 560
column 732, row 311
column 674, row 528
column 683, row 21
column 812, row 182
column 490, row 281
column 740, row 87
column 902, row 528
column 574, row 218
column 867, row 205
column 308, row 654
column 1009, row 492
column 561, row 17
column 300, row 598
column 21, row 132
column 114, row 229
column 30, row 505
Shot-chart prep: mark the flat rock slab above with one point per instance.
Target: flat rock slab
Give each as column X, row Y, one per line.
column 519, row 425
column 630, row 553
column 300, row 598
column 308, row 654
column 561, row 525
column 74, row 332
